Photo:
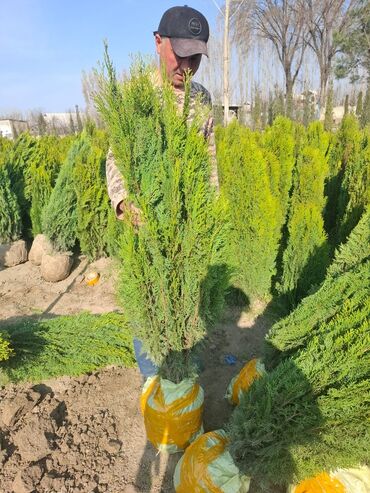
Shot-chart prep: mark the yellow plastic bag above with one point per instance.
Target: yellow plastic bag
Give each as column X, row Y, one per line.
column 172, row 413
column 251, row 371
column 340, row 481
column 207, row 467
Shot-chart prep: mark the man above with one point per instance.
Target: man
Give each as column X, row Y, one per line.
column 181, row 40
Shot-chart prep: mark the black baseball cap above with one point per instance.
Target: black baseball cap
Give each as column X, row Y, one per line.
column 188, row 30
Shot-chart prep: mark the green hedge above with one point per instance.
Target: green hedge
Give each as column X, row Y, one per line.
column 68, row 345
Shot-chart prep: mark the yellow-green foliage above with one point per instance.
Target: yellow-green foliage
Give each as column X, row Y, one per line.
column 41, row 173
column 5, row 349
column 248, row 181
column 279, row 139
column 91, row 191
column 5, row 147
column 306, row 255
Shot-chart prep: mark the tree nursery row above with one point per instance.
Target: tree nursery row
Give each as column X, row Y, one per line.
column 290, row 225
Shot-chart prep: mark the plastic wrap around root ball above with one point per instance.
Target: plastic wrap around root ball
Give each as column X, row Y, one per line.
column 207, row 467
column 340, row 481
column 172, row 413
column 248, row 374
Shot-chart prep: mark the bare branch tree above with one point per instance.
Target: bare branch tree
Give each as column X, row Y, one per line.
column 323, row 18
column 283, row 23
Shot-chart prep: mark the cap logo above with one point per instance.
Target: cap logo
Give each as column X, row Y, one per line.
column 195, row 26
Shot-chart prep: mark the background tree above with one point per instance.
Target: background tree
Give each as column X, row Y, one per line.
column 359, row 105
column 346, row 105
column 78, row 119
column 323, row 18
column 329, row 120
column 354, row 44
column 283, row 23
column 365, row 114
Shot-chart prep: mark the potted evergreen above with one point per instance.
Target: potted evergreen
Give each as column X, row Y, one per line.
column 172, row 278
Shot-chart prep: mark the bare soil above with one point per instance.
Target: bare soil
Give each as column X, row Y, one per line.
column 86, row 434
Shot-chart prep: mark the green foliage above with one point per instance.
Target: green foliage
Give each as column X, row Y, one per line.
column 69, row 345
column 17, row 163
column 172, row 280
column 10, row 216
column 41, row 174
column 113, row 234
column 355, row 250
column 59, row 217
column 249, row 180
column 91, row 190
column 306, row 255
column 348, row 278
column 310, row 413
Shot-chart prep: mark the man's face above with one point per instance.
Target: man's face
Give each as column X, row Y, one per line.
column 174, row 65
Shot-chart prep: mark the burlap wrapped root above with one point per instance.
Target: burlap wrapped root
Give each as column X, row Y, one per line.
column 208, row 467
column 172, row 413
column 248, row 374
column 340, row 481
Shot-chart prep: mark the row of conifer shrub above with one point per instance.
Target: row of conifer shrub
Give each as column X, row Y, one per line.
column 294, row 195
column 57, row 186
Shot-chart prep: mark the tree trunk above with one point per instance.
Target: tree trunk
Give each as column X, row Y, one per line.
column 226, row 62
column 288, row 95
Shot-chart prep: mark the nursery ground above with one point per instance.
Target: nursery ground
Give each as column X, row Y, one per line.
column 86, row 434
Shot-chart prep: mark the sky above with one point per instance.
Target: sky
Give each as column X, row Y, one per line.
column 46, row 44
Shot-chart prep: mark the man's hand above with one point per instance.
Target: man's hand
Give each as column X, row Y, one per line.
column 135, row 212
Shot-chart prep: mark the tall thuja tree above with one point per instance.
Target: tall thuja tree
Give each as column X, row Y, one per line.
column 172, row 279
column 354, row 194
column 91, row 190
column 255, row 211
column 345, row 149
column 306, row 255
column 41, row 173
column 10, row 215
column 59, row 217
column 279, row 139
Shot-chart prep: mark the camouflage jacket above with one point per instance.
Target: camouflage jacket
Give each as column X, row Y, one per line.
column 116, row 187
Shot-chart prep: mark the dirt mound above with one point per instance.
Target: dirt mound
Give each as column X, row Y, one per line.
column 74, row 435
